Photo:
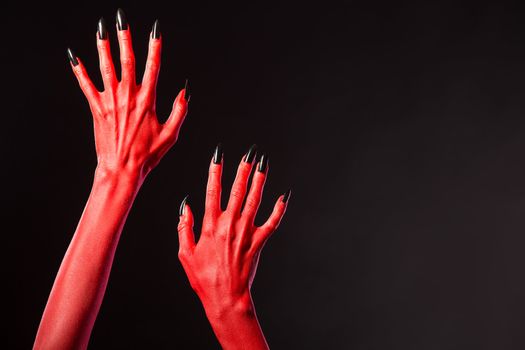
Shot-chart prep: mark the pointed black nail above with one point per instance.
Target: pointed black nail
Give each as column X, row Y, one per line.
column 286, row 196
column 122, row 22
column 155, row 31
column 182, row 205
column 263, row 163
column 102, row 31
column 187, row 94
column 217, row 154
column 250, row 155
column 72, row 57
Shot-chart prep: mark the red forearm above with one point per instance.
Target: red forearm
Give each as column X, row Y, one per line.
column 130, row 142
column 81, row 281
column 235, row 324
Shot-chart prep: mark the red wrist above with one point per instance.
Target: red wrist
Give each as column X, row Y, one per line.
column 125, row 176
column 235, row 324
column 222, row 308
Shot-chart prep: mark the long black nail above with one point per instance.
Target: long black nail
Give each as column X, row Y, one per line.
column 217, row 154
column 102, row 31
column 263, row 163
column 72, row 57
column 250, row 155
column 155, row 31
column 182, row 205
column 286, row 196
column 122, row 22
column 187, row 94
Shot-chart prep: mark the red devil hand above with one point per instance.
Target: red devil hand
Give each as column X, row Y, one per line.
column 129, row 143
column 222, row 265
column 128, row 134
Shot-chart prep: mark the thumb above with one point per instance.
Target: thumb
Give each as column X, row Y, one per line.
column 185, row 228
column 171, row 127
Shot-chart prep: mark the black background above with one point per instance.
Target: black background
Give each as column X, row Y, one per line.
column 400, row 128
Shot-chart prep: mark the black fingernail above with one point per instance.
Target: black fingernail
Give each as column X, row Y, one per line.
column 155, row 31
column 122, row 22
column 250, row 155
column 286, row 196
column 182, row 205
column 102, row 31
column 217, row 155
column 187, row 94
column 72, row 57
column 263, row 163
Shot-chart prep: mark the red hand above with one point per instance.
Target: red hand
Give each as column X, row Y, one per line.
column 222, row 265
column 129, row 143
column 127, row 131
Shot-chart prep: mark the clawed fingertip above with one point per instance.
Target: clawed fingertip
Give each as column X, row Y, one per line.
column 122, row 22
column 72, row 57
column 155, row 30
column 263, row 163
column 250, row 154
column 102, row 31
column 217, row 154
column 187, row 93
column 286, row 196
column 183, row 205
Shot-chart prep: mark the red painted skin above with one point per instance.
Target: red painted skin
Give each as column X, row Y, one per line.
column 222, row 265
column 129, row 144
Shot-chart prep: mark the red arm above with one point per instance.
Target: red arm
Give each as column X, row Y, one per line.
column 222, row 265
column 129, row 143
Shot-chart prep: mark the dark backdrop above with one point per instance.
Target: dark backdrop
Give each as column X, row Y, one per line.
column 400, row 128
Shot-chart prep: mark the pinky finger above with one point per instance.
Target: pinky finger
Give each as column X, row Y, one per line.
column 266, row 230
column 90, row 91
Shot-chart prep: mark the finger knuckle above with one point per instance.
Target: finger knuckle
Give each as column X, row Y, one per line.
column 245, row 167
column 127, row 62
column 109, row 108
column 124, row 36
column 212, row 192
column 126, row 104
column 237, row 193
column 222, row 236
column 215, row 170
column 153, row 66
column 208, row 227
column 107, row 71
column 155, row 44
column 251, row 203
